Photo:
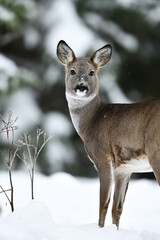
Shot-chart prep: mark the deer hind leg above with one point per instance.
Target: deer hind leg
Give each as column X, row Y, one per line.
column 105, row 177
column 155, row 164
column 121, row 186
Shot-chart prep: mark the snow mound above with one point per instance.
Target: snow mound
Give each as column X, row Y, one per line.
column 32, row 222
column 66, row 208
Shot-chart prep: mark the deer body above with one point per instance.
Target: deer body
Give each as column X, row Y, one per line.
column 119, row 138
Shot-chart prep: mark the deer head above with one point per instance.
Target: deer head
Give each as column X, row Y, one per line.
column 81, row 73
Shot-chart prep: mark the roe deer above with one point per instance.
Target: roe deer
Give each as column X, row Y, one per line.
column 118, row 138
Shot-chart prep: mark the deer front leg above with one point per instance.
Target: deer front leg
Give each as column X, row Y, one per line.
column 121, row 186
column 105, row 177
column 155, row 164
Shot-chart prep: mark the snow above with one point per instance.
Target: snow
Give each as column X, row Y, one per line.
column 23, row 226
column 154, row 14
column 125, row 39
column 131, row 3
column 57, row 124
column 126, row 3
column 52, row 75
column 5, row 64
column 8, row 70
column 6, row 15
column 65, row 25
column 32, row 37
column 24, row 100
column 115, row 94
column 66, row 208
column 30, row 7
column 59, row 152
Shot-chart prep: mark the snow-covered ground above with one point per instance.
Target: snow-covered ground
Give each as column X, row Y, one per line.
column 66, row 208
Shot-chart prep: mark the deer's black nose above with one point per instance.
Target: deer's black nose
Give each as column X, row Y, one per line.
column 81, row 87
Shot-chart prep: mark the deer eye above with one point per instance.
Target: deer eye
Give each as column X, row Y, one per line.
column 72, row 72
column 91, row 73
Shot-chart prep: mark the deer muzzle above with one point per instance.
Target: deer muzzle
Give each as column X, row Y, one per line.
column 81, row 87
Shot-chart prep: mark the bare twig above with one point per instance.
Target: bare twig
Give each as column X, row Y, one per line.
column 4, row 191
column 33, row 151
column 9, row 128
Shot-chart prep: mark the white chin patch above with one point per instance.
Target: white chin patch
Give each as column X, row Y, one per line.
column 81, row 93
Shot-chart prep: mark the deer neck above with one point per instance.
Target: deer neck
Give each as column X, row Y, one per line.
column 83, row 112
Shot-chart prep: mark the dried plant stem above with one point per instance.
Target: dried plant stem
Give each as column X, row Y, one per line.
column 33, row 151
column 9, row 128
column 4, row 191
column 32, row 184
column 12, row 189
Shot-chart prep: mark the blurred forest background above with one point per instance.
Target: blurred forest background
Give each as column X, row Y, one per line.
column 32, row 78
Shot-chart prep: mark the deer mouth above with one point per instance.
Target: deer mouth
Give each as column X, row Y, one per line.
column 81, row 90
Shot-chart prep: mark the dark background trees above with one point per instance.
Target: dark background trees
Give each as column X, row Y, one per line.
column 30, row 73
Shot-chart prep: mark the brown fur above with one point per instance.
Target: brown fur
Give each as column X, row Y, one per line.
column 113, row 134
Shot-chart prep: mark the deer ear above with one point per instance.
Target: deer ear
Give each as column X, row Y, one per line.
column 65, row 53
column 102, row 56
